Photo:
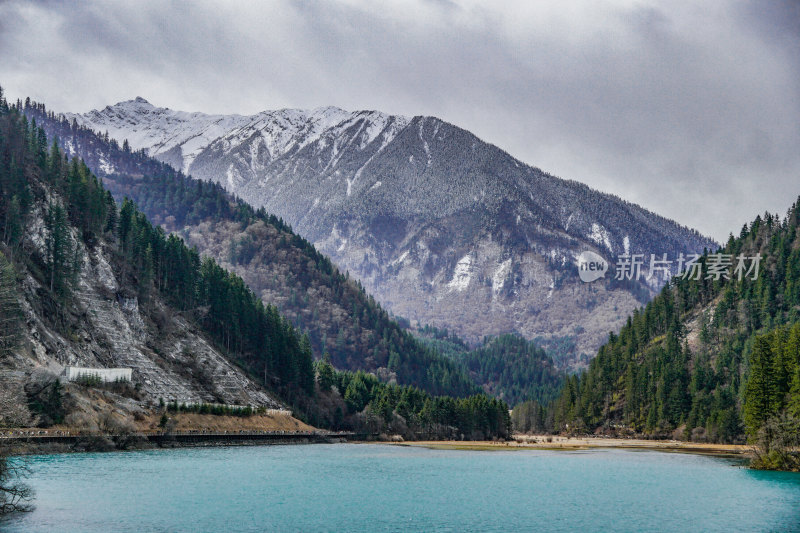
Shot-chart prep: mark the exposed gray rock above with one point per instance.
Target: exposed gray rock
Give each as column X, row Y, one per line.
column 104, row 326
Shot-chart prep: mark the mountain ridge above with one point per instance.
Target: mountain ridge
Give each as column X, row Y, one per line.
column 282, row 268
column 441, row 227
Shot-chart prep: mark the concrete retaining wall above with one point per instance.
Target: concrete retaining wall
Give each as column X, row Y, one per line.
column 74, row 373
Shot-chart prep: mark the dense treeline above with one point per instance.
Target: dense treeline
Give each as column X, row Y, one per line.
column 359, row 401
column 773, row 384
column 339, row 318
column 514, row 369
column 532, row 417
column 79, row 208
column 772, row 398
column 507, row 367
column 716, row 359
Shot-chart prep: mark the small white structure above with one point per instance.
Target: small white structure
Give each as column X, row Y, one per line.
column 106, row 375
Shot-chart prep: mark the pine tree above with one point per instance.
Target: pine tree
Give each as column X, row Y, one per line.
column 61, row 255
column 125, row 223
column 325, row 373
column 356, row 395
column 761, row 391
column 146, row 275
column 111, row 217
column 306, row 365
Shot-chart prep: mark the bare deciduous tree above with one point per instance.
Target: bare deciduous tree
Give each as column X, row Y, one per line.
column 13, row 405
column 15, row 495
column 121, row 431
column 10, row 310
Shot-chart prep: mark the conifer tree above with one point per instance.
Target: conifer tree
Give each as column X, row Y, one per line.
column 761, row 392
column 61, row 255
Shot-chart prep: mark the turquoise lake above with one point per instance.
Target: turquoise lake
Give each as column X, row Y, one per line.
column 352, row 487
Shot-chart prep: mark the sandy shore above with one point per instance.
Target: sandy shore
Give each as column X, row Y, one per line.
column 527, row 442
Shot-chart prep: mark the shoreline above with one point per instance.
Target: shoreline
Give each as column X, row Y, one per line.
column 549, row 442
column 104, row 443
column 31, row 445
column 182, row 430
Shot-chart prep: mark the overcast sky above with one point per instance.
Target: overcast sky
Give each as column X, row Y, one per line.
column 691, row 109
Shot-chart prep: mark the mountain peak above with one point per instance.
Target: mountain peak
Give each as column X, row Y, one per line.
column 137, row 104
column 328, row 110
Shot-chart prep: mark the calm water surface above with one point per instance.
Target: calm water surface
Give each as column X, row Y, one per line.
column 350, row 487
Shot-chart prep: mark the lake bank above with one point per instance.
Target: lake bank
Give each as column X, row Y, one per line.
column 222, row 432
column 74, row 444
column 549, row 442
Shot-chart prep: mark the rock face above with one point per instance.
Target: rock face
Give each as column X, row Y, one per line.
column 440, row 226
column 104, row 326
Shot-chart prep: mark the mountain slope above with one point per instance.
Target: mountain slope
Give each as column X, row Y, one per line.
column 514, row 369
column 93, row 284
column 507, row 367
column 71, row 293
column 282, row 268
column 440, row 226
column 708, row 359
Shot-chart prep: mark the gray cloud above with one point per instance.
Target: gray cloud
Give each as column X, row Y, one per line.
column 690, row 110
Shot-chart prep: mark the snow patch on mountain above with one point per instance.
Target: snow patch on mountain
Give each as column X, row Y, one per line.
column 425, row 145
column 160, row 130
column 402, row 258
column 601, row 236
column 106, row 166
column 462, row 274
column 499, row 276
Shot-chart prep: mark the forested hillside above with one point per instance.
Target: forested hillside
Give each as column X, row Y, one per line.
column 81, row 219
column 514, row 369
column 708, row 359
column 282, row 268
column 507, row 367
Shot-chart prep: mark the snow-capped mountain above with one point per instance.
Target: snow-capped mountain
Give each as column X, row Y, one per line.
column 442, row 227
